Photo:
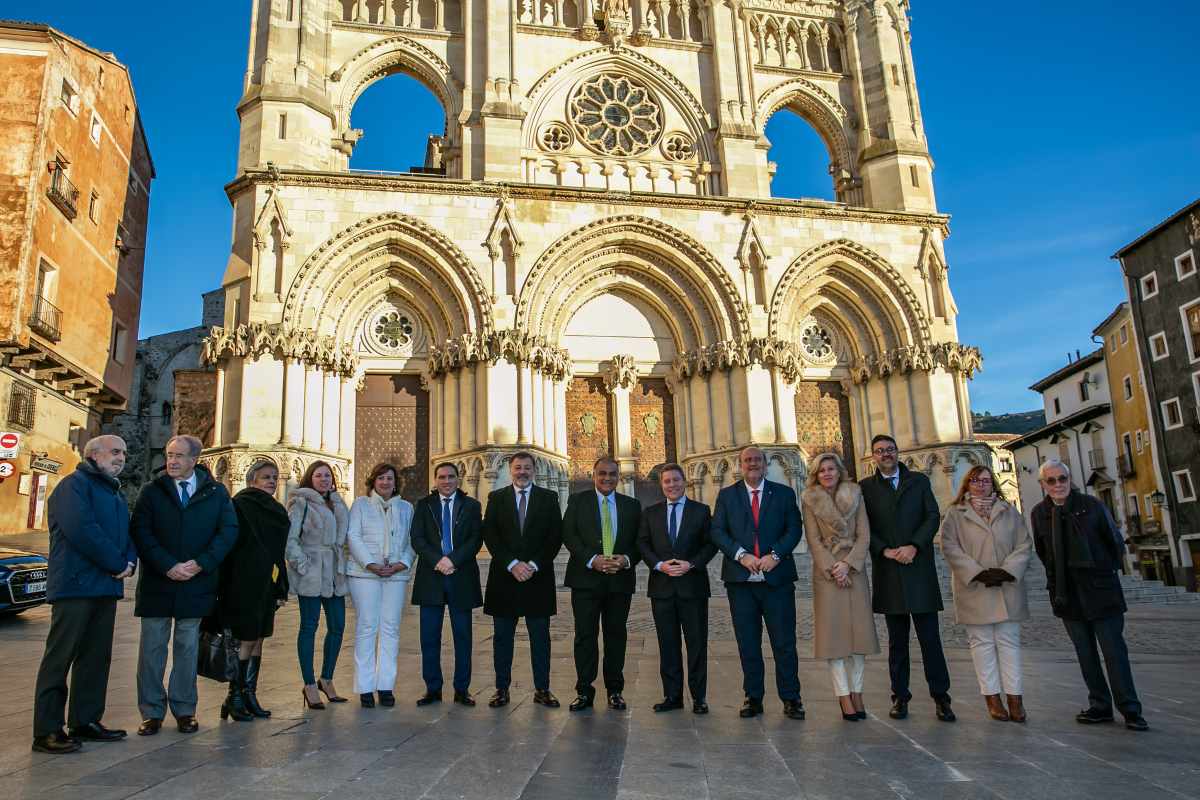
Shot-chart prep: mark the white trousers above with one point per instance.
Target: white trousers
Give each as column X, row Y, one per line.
column 844, row 684
column 996, row 651
column 378, row 605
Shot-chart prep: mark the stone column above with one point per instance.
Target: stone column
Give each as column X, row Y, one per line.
column 331, row 413
column 620, row 376
column 312, row 407
column 349, row 404
column 219, row 409
column 293, row 401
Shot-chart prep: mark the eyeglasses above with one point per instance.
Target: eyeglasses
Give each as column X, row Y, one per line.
column 1055, row 480
column 884, row 451
column 982, row 480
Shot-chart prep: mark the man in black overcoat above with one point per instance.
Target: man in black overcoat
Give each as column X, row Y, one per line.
column 904, row 519
column 522, row 529
column 447, row 532
column 600, row 530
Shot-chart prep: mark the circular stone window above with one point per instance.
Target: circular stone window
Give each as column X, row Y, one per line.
column 392, row 330
column 615, row 115
column 816, row 341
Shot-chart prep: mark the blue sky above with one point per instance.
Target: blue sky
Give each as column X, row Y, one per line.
column 1060, row 131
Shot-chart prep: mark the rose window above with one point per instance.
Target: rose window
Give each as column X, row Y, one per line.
column 616, row 115
column 678, row 147
column 392, row 330
column 555, row 137
column 817, row 343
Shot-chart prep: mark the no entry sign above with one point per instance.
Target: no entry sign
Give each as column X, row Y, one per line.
column 9, row 444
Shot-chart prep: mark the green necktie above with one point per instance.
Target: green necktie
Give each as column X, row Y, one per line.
column 606, row 529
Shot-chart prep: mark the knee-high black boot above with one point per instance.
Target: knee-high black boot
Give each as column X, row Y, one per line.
column 251, row 692
column 235, row 702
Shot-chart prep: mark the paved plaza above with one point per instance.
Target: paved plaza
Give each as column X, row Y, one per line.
column 529, row 752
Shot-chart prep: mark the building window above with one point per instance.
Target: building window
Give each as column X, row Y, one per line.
column 1083, row 388
column 1140, row 441
column 1185, row 490
column 1158, row 346
column 21, row 400
column 94, row 207
column 1149, row 501
column 914, row 176
column 1006, row 465
column 1191, row 328
column 1133, row 505
column 1127, row 386
column 1196, row 387
column 1112, row 343
column 1185, row 265
column 119, row 337
column 95, row 129
column 1172, row 414
column 283, row 126
column 69, row 96
column 1149, row 285
column 1057, row 406
column 1124, row 335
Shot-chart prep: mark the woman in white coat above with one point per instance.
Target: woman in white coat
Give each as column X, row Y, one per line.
column 381, row 557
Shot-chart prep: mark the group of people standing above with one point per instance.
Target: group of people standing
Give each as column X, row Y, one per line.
column 205, row 560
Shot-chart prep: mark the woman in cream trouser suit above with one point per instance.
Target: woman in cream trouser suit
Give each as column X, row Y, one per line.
column 381, row 557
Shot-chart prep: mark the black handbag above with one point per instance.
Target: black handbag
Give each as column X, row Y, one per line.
column 217, row 658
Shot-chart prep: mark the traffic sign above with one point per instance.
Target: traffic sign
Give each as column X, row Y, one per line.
column 10, row 444
column 6, row 469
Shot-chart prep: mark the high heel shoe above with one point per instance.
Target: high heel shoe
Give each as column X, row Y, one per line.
column 333, row 698
column 852, row 714
column 318, row 705
column 856, row 700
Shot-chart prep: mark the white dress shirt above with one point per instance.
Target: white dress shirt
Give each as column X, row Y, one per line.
column 191, row 486
column 612, row 511
column 679, row 504
column 528, row 499
column 750, row 492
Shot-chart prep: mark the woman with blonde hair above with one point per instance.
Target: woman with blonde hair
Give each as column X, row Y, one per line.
column 987, row 546
column 835, row 524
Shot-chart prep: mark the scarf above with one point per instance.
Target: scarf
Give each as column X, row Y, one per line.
column 983, row 506
column 1071, row 551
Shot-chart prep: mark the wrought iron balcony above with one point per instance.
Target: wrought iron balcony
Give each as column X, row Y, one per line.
column 46, row 320
column 1125, row 467
column 1096, row 458
column 63, row 194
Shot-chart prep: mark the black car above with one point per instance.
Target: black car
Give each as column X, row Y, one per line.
column 22, row 580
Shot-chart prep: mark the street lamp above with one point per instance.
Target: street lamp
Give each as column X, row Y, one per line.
column 1158, row 498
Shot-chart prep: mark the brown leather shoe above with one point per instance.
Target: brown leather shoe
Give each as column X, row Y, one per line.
column 1016, row 708
column 187, row 724
column 996, row 708
column 149, row 727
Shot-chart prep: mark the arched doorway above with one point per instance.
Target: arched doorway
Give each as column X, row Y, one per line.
column 392, row 426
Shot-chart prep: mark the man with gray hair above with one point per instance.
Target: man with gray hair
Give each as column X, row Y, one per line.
column 1076, row 539
column 184, row 525
column 91, row 555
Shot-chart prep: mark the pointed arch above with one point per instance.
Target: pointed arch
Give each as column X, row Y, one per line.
column 385, row 57
column 857, row 286
column 643, row 257
column 818, row 108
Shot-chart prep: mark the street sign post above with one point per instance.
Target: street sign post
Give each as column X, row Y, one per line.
column 10, row 444
column 6, row 469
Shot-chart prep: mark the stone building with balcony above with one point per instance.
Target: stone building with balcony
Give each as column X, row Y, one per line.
column 1079, row 431
column 75, row 175
column 1141, row 481
column 1162, row 276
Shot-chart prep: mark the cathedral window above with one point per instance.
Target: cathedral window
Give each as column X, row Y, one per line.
column 392, row 330
column 679, row 147
column 616, row 115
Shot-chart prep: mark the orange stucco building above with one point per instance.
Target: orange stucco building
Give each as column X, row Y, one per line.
column 75, row 174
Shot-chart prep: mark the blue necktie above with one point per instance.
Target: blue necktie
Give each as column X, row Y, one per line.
column 184, row 495
column 672, row 528
column 447, row 541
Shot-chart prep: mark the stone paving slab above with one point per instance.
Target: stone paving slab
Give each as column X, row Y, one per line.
column 527, row 752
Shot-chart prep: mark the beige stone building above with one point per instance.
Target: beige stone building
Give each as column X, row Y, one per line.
column 75, row 175
column 592, row 260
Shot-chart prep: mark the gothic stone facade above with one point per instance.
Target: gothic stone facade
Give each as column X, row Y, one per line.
column 601, row 267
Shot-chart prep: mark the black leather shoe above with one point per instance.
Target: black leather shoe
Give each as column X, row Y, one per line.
column 387, row 699
column 793, row 709
column 1093, row 716
column 669, row 704
column 581, row 703
column 544, row 697
column 699, row 707
column 429, row 698
column 95, row 732
column 899, row 710
column 751, row 708
column 616, row 702
column 367, row 699
column 1136, row 722
column 464, row 699
column 149, row 727
column 55, row 743
column 187, row 724
column 500, row 698
column 943, row 711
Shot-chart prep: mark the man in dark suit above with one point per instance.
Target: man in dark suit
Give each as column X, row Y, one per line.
column 674, row 542
column 600, row 530
column 904, row 519
column 447, row 533
column 522, row 529
column 757, row 526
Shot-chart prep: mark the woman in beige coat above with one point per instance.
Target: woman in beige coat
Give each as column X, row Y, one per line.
column 987, row 545
column 835, row 524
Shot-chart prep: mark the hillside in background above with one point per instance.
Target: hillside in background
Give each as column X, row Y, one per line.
column 1016, row 424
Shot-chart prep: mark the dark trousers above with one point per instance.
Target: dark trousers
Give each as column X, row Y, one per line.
column 79, row 643
column 539, row 650
column 680, row 620
column 750, row 604
column 432, row 618
column 929, row 636
column 593, row 610
column 1108, row 632
column 306, row 637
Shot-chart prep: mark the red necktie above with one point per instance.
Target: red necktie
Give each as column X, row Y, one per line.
column 754, row 512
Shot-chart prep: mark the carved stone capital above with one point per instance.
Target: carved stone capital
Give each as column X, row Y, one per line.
column 255, row 339
column 516, row 347
column 620, row 372
column 950, row 356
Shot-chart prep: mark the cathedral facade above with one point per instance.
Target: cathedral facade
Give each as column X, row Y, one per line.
column 592, row 260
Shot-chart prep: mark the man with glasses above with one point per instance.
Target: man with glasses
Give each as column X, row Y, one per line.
column 904, row 519
column 1076, row 539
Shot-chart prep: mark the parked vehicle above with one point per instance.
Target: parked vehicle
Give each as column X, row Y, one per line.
column 22, row 580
